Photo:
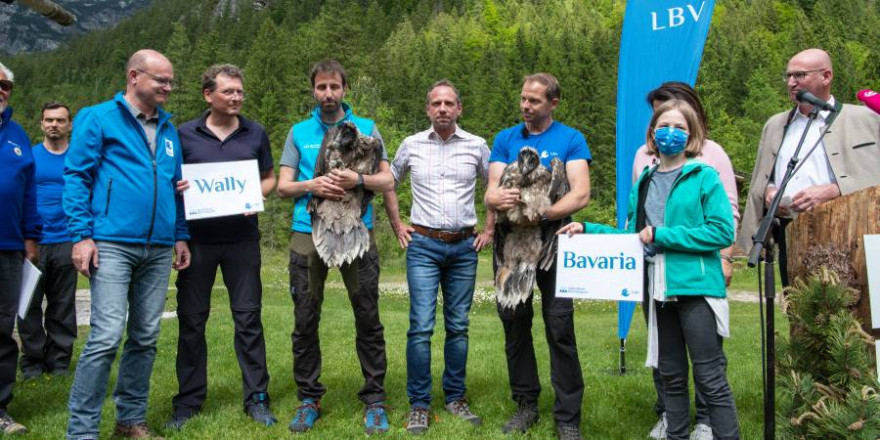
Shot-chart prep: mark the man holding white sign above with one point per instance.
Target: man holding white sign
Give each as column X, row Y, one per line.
column 231, row 242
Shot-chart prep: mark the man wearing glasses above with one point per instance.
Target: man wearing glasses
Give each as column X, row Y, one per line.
column 126, row 222
column 846, row 160
column 19, row 231
column 222, row 135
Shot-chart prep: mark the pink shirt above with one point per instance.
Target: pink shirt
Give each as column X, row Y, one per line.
column 712, row 155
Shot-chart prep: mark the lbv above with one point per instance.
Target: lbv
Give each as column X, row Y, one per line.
column 676, row 17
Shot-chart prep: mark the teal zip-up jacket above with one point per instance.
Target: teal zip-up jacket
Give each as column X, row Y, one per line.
column 697, row 224
column 306, row 138
column 115, row 188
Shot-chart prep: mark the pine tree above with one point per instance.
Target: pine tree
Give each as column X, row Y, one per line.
column 828, row 386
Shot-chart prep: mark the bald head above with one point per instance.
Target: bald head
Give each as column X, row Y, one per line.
column 149, row 78
column 144, row 58
column 810, row 70
column 814, row 57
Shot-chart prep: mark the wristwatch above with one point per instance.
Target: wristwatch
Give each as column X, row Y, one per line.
column 360, row 182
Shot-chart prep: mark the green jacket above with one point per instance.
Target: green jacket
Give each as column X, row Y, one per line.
column 698, row 223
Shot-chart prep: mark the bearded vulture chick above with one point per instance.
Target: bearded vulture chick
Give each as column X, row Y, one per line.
column 338, row 230
column 522, row 242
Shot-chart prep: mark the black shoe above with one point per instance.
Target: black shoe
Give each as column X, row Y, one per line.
column 568, row 431
column 525, row 416
column 179, row 419
column 258, row 409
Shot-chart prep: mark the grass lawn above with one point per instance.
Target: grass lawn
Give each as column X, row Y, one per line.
column 615, row 407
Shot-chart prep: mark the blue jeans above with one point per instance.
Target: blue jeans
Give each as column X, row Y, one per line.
column 430, row 264
column 131, row 282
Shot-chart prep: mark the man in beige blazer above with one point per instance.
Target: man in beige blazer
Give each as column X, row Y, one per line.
column 847, row 160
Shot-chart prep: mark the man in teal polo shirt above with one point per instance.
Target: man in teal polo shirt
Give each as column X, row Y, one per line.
column 308, row 272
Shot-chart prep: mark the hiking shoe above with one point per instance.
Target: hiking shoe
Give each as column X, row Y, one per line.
column 417, row 420
column 375, row 418
column 568, row 431
column 658, row 432
column 306, row 415
column 702, row 431
column 258, row 409
column 525, row 416
column 461, row 409
column 9, row 426
column 137, row 431
column 178, row 419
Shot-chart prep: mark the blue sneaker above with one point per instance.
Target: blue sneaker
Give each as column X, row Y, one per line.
column 306, row 415
column 258, row 409
column 375, row 418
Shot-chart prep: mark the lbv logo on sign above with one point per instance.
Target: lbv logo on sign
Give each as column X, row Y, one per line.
column 224, row 184
column 621, row 262
column 676, row 17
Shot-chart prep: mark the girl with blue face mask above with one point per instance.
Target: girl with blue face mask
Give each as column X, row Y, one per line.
column 682, row 215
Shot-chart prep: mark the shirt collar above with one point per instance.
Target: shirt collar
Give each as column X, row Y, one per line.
column 434, row 136
column 823, row 115
column 139, row 114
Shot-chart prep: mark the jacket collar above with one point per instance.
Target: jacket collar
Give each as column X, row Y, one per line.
column 316, row 114
column 162, row 114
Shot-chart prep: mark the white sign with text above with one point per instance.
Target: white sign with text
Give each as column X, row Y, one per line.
column 872, row 259
column 600, row 266
column 219, row 189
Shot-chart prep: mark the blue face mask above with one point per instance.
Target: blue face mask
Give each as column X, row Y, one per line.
column 670, row 140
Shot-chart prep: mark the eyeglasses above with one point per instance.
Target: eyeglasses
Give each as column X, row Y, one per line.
column 800, row 75
column 6, row 85
column 229, row 93
column 164, row 82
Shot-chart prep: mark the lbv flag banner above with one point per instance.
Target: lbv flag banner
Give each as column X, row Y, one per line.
column 220, row 189
column 662, row 41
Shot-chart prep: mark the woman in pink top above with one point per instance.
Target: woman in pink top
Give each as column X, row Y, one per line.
column 713, row 155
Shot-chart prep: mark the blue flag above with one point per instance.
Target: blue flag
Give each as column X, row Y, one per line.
column 662, row 41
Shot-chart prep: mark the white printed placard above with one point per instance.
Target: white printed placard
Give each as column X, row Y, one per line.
column 600, row 266
column 219, row 189
column 872, row 258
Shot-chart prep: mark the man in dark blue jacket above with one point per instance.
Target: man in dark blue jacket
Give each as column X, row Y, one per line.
column 19, row 231
column 124, row 217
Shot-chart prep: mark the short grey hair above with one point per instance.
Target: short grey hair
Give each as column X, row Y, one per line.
column 7, row 72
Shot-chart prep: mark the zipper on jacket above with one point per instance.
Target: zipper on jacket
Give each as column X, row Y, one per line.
column 109, row 189
column 155, row 197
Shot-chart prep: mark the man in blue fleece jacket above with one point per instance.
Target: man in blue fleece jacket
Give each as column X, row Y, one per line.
column 124, row 217
column 19, row 231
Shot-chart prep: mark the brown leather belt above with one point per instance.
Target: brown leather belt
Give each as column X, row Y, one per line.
column 443, row 235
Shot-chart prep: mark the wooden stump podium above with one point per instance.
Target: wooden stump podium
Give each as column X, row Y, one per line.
column 831, row 235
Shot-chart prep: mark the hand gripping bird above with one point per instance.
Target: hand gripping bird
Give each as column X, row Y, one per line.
column 338, row 230
column 523, row 243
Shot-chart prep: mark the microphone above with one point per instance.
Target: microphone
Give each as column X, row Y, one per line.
column 871, row 99
column 808, row 98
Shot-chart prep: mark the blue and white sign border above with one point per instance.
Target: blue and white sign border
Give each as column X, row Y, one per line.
column 600, row 267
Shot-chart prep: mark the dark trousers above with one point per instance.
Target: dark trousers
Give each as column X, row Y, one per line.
column 10, row 287
column 699, row 396
column 240, row 265
column 565, row 368
column 687, row 327
column 48, row 346
column 361, row 277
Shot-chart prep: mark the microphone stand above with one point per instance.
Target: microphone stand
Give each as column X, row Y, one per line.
column 762, row 240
